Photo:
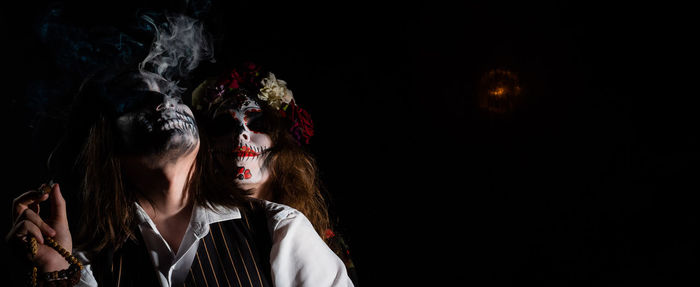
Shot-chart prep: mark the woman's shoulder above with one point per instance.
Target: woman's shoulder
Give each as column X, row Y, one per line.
column 280, row 215
column 278, row 211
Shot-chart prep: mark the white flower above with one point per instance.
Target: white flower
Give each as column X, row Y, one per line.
column 275, row 92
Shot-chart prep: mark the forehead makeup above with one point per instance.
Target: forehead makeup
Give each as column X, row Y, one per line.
column 252, row 114
column 131, row 90
column 248, row 118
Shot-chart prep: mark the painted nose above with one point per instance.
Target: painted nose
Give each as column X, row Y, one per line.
column 244, row 137
column 166, row 103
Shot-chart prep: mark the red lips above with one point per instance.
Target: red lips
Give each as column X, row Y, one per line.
column 245, row 151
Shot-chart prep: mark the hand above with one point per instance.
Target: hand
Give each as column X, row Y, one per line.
column 28, row 223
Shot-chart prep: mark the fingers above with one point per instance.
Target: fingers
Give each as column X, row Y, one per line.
column 23, row 228
column 27, row 227
column 26, row 200
column 31, row 216
column 35, row 207
column 58, row 205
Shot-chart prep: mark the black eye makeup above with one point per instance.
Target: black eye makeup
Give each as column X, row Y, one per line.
column 129, row 101
column 225, row 124
column 256, row 121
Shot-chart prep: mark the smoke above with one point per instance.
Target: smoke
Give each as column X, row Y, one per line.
column 180, row 44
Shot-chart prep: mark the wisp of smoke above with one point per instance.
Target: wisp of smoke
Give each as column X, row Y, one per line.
column 180, row 44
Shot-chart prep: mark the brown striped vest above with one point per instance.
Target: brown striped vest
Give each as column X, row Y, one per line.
column 234, row 253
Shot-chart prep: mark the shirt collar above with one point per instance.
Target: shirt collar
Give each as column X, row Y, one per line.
column 200, row 219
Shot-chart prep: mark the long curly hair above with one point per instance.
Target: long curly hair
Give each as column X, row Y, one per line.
column 294, row 178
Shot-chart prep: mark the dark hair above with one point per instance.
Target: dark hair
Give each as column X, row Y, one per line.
column 108, row 208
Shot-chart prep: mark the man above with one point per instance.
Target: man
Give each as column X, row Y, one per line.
column 153, row 212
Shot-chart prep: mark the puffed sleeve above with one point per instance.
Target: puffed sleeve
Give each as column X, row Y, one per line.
column 299, row 257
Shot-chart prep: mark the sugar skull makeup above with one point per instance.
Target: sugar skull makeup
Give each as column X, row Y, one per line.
column 253, row 142
column 245, row 125
column 152, row 123
column 240, row 130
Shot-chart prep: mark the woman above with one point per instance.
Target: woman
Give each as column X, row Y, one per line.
column 148, row 205
column 153, row 213
column 257, row 132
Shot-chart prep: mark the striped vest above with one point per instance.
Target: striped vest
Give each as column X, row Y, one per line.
column 234, row 253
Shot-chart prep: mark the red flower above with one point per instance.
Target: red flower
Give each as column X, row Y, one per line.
column 329, row 234
column 244, row 77
column 251, row 66
column 302, row 125
column 234, row 81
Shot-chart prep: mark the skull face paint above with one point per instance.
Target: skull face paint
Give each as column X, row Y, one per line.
column 154, row 124
column 246, row 128
column 252, row 143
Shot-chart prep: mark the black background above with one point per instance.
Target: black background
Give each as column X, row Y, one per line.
column 591, row 180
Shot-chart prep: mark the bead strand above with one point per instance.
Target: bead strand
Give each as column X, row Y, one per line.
column 57, row 278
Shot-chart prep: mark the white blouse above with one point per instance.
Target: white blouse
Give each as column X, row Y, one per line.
column 298, row 257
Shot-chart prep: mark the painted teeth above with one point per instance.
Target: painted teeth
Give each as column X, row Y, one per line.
column 176, row 123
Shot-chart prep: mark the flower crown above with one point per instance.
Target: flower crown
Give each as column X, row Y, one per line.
column 248, row 81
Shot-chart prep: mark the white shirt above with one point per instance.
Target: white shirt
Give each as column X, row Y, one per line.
column 298, row 257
